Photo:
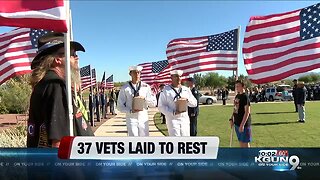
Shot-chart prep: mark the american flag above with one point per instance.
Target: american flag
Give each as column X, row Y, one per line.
column 102, row 86
column 156, row 73
column 151, row 70
column 94, row 77
column 50, row 15
column 85, row 77
column 17, row 49
column 109, row 82
column 280, row 45
column 207, row 53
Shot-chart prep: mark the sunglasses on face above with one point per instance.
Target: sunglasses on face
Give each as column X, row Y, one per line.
column 73, row 54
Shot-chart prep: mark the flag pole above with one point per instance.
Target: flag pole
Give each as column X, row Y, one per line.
column 67, row 68
column 71, row 29
column 71, row 38
column 238, row 56
column 105, row 84
column 91, row 99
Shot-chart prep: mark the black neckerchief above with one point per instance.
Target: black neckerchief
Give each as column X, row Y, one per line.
column 135, row 92
column 177, row 93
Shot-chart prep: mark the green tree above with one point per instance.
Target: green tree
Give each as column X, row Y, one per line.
column 231, row 82
column 245, row 80
column 119, row 84
column 15, row 95
column 288, row 82
column 306, row 79
column 315, row 77
column 200, row 81
column 214, row 80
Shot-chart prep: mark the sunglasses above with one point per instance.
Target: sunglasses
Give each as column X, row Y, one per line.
column 73, row 54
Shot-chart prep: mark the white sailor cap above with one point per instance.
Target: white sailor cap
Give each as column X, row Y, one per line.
column 135, row 68
column 178, row 72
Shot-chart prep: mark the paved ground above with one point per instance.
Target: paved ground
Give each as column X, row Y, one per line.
column 116, row 126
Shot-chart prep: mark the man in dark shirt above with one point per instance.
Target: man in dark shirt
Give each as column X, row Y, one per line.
column 301, row 93
column 103, row 104
column 193, row 112
column 294, row 93
column 157, row 96
column 224, row 96
column 91, row 107
column 97, row 99
column 241, row 116
column 48, row 114
column 112, row 100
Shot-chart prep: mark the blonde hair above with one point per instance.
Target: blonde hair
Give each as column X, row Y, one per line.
column 40, row 71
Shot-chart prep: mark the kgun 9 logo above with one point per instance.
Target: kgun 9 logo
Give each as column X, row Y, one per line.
column 277, row 158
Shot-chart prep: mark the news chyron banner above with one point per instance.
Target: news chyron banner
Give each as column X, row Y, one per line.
column 108, row 148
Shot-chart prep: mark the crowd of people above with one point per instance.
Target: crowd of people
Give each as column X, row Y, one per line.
column 259, row 94
column 102, row 103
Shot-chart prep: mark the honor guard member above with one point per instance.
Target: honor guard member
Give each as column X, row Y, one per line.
column 174, row 102
column 193, row 111
column 134, row 99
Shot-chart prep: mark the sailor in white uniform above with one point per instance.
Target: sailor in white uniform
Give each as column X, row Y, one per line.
column 178, row 123
column 137, row 120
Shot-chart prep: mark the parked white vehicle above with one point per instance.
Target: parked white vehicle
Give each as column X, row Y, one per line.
column 205, row 99
column 275, row 93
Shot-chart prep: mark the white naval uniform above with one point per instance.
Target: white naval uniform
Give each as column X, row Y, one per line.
column 178, row 125
column 137, row 123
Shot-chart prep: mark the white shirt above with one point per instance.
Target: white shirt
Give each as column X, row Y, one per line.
column 167, row 105
column 126, row 95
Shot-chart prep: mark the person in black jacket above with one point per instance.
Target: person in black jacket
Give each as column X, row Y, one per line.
column 157, row 96
column 49, row 119
column 294, row 94
column 103, row 104
column 91, row 107
column 301, row 93
column 224, row 94
column 97, row 102
column 193, row 112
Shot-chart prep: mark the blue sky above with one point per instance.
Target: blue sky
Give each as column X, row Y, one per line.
column 119, row 34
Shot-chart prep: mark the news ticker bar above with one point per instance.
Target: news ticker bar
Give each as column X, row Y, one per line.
column 109, row 148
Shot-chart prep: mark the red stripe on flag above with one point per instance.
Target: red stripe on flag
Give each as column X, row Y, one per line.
column 187, row 54
column 15, row 65
column 272, row 34
column 21, row 6
column 284, row 63
column 271, row 16
column 19, row 73
column 271, row 45
column 285, row 74
column 36, row 23
column 272, row 23
column 10, row 58
column 280, row 54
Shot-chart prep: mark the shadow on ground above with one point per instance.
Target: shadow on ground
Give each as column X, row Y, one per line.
column 272, row 123
column 274, row 112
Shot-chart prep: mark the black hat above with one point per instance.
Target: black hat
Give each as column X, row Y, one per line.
column 161, row 85
column 192, row 80
column 50, row 43
column 294, row 80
